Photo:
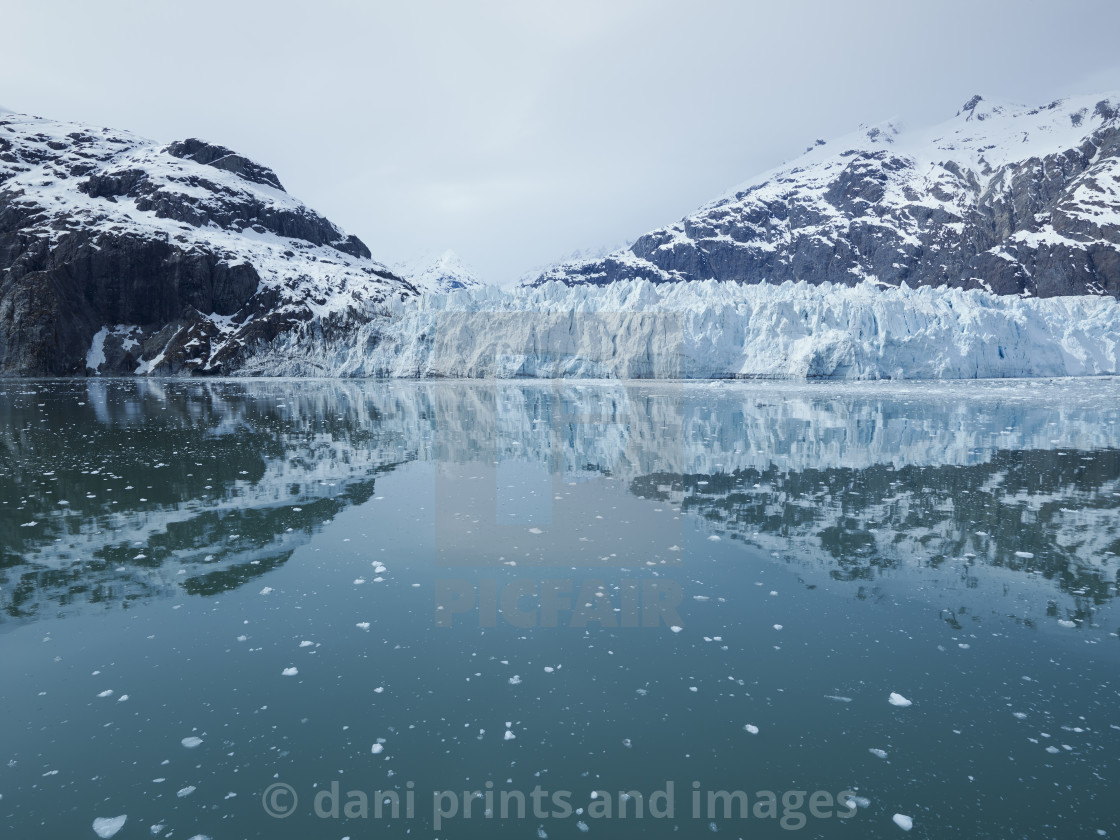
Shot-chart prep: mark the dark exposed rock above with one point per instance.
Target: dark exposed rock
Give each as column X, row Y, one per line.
column 222, row 158
column 972, row 103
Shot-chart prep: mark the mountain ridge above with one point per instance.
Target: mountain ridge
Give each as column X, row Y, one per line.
column 1010, row 199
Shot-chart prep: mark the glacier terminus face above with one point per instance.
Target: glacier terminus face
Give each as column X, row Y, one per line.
column 711, row 330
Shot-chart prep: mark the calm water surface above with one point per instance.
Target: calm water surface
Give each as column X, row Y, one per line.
column 272, row 609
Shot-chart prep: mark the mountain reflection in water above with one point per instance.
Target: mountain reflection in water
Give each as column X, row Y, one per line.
column 988, row 495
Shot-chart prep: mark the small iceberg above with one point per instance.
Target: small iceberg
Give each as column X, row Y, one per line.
column 108, row 826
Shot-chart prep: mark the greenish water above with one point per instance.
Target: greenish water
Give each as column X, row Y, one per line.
column 556, row 593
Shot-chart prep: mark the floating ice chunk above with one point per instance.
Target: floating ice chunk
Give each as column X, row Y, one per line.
column 515, row 680
column 878, row 753
column 1026, row 555
column 106, row 693
column 751, row 728
column 306, row 643
column 191, row 742
column 535, row 531
column 714, row 538
column 1064, row 623
column 266, row 590
column 290, row 672
column 362, row 625
column 108, row 826
column 777, row 627
column 902, row 821
column 548, row 669
column 541, row 833
column 898, row 700
column 377, row 748
column 582, row 826
column 122, row 698
column 1020, row 715
column 187, row 791
column 379, row 689
column 838, row 698
column 857, row 802
column 509, row 736
column 676, row 628
column 626, row 742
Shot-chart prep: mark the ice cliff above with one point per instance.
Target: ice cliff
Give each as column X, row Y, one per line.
column 707, row 329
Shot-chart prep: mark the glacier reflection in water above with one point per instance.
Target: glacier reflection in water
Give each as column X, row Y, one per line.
column 1005, row 494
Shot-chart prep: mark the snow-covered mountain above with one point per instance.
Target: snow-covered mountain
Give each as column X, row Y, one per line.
column 443, row 272
column 1012, row 199
column 121, row 255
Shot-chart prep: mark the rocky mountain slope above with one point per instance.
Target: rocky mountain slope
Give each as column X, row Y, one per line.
column 120, row 255
column 1014, row 200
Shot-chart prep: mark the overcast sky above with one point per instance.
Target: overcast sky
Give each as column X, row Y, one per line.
column 517, row 132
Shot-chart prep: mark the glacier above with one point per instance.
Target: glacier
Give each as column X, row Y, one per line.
column 636, row 329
